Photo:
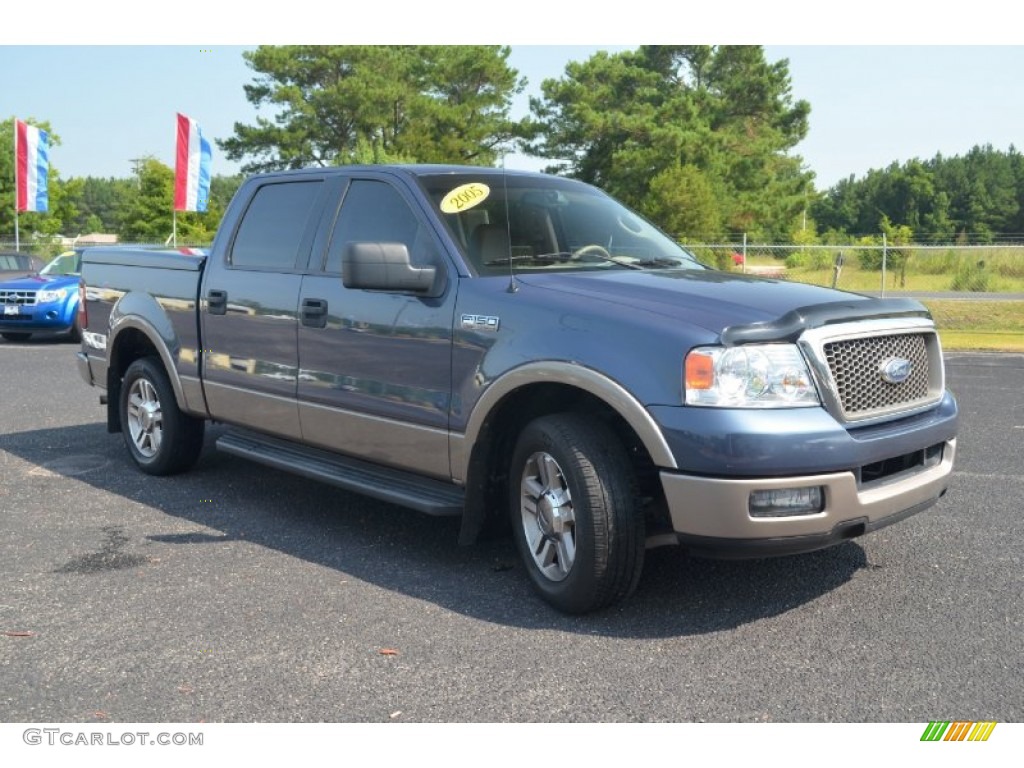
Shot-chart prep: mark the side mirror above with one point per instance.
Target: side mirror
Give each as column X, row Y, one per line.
column 384, row 267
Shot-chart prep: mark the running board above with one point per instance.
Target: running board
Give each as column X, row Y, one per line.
column 394, row 486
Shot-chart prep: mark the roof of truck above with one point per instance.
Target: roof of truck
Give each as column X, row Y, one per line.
column 414, row 169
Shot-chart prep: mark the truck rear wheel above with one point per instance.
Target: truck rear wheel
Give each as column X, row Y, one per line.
column 574, row 513
column 161, row 439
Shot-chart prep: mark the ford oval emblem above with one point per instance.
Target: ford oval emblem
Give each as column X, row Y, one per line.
column 895, row 370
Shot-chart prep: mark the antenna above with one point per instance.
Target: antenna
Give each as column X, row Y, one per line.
column 512, row 287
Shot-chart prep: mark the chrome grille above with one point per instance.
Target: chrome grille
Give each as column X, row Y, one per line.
column 856, row 367
column 24, row 298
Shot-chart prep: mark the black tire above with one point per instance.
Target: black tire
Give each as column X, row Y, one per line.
column 583, row 540
column 160, row 438
column 15, row 336
column 75, row 334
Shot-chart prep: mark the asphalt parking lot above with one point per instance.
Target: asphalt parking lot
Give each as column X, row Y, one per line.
column 238, row 593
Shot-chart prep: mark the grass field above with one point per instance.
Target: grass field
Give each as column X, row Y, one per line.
column 997, row 270
column 968, row 324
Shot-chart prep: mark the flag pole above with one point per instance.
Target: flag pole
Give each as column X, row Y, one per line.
column 174, row 227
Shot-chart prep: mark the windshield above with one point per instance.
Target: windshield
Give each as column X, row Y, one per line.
column 546, row 223
column 66, row 264
column 14, row 261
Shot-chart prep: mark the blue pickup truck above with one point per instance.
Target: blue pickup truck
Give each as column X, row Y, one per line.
column 46, row 302
column 524, row 352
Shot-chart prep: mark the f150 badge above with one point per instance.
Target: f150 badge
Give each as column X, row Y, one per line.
column 480, row 323
column 895, row 370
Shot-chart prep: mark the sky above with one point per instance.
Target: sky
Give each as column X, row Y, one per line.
column 873, row 102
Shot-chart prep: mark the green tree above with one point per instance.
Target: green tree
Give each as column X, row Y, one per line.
column 343, row 104
column 100, row 202
column 970, row 198
column 92, row 223
column 1016, row 161
column 683, row 202
column 147, row 211
column 146, row 214
column 621, row 120
column 986, row 200
column 63, row 206
column 897, row 235
column 222, row 189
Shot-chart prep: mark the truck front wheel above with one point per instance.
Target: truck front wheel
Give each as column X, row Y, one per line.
column 161, row 439
column 574, row 514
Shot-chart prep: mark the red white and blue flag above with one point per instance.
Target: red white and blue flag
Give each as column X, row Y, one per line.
column 191, row 167
column 32, row 160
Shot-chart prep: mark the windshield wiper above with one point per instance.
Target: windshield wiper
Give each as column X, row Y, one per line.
column 561, row 257
column 548, row 258
column 658, row 262
column 633, row 263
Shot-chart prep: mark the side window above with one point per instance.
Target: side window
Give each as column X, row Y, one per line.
column 273, row 225
column 374, row 212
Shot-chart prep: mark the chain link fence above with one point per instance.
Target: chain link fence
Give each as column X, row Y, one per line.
column 881, row 268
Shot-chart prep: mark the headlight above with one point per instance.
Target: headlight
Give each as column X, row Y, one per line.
column 45, row 297
column 751, row 376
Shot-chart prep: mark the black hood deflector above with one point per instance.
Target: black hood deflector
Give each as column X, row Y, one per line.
column 793, row 323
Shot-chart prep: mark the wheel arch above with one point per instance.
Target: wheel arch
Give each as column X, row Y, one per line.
column 479, row 457
column 131, row 338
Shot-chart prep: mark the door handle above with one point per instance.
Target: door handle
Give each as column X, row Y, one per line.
column 217, row 302
column 314, row 313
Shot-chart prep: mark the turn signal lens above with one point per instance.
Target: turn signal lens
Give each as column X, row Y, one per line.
column 700, row 371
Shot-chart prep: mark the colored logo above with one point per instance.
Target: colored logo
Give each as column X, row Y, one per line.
column 895, row 370
column 958, row 731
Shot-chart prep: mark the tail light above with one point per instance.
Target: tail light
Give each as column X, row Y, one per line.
column 83, row 311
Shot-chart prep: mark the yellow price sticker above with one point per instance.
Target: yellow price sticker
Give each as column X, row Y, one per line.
column 465, row 197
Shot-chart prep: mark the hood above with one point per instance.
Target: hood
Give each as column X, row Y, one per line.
column 39, row 282
column 707, row 299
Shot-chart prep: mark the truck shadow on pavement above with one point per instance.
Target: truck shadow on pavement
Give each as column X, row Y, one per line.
column 229, row 500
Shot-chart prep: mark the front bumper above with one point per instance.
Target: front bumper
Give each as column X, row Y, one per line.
column 711, row 515
column 38, row 318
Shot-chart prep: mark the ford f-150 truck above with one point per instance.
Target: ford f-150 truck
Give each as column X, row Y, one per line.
column 523, row 351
